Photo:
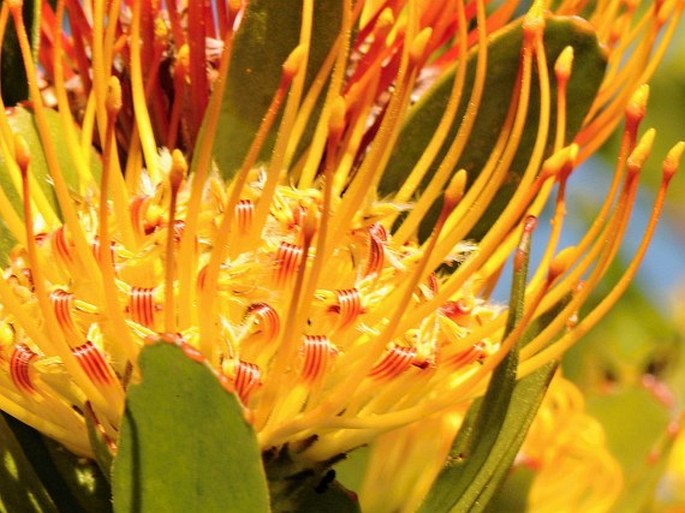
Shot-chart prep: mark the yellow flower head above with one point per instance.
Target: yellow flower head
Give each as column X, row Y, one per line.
column 314, row 297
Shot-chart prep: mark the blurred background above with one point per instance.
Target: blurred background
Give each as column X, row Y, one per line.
column 631, row 367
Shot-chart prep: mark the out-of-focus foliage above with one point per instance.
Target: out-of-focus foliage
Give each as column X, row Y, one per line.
column 632, row 366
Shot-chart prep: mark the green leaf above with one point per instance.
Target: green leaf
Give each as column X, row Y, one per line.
column 495, row 426
column 268, row 33
column 184, row 444
column 22, row 122
column 70, row 483
column 13, row 77
column 20, row 487
column 513, row 496
column 502, row 68
column 80, row 479
column 485, row 470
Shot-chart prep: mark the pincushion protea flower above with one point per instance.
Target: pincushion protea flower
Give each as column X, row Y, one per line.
column 303, row 275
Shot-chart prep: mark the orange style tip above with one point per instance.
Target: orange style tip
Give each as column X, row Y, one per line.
column 418, row 47
column 672, row 160
column 336, row 122
column 641, row 152
column 564, row 64
column 665, row 10
column 455, row 189
column 563, row 159
column 161, row 29
column 179, row 169
column 15, row 4
column 534, row 21
column 637, row 105
column 293, row 63
column 183, row 57
column 385, row 20
column 22, row 153
column 561, row 262
column 113, row 100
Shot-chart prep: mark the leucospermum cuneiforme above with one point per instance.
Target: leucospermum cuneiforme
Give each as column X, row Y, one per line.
column 311, row 295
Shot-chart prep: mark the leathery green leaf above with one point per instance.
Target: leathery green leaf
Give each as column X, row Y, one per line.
column 20, row 487
column 265, row 39
column 22, row 122
column 13, row 77
column 184, row 443
column 72, row 483
column 503, row 62
column 486, row 470
column 495, row 426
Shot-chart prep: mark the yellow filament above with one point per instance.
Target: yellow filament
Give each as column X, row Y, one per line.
column 303, row 307
column 305, row 111
column 340, row 51
column 200, row 166
column 459, row 224
column 628, row 37
column 607, row 246
column 524, row 192
column 66, row 435
column 134, row 163
column 11, row 218
column 642, row 69
column 101, row 74
column 364, row 362
column 540, row 191
column 288, row 341
column 554, row 351
column 289, row 113
column 558, row 292
column 178, row 171
column 357, row 128
column 446, row 121
column 604, row 16
column 147, row 138
column 450, row 397
column 563, row 68
column 207, row 325
column 39, row 199
column 87, row 127
column 494, row 236
column 67, row 122
column 60, row 186
column 553, row 240
column 110, row 33
column 57, row 344
column 119, row 330
column 375, row 161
